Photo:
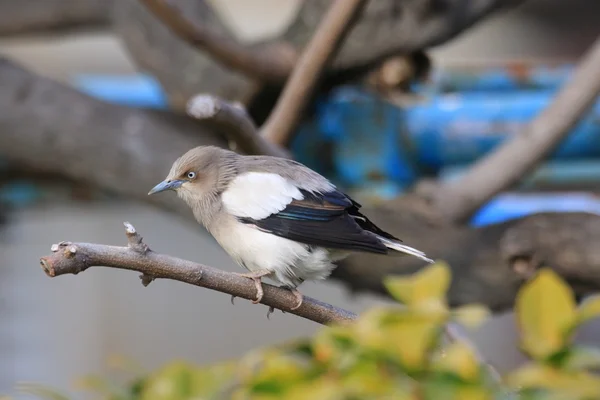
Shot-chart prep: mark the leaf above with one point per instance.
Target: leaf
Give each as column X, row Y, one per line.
column 272, row 372
column 172, row 382
column 424, row 289
column 405, row 336
column 471, row 315
column 571, row 385
column 589, row 310
column 473, row 393
column 545, row 311
column 581, row 358
column 442, row 388
column 458, row 359
column 332, row 344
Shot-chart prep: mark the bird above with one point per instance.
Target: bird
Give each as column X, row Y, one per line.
column 275, row 217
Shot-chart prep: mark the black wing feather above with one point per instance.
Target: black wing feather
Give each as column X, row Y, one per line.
column 330, row 220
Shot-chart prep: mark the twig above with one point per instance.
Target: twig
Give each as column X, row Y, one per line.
column 269, row 63
column 235, row 122
column 322, row 47
column 507, row 165
column 72, row 258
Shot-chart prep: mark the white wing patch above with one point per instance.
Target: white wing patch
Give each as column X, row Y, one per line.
column 257, row 195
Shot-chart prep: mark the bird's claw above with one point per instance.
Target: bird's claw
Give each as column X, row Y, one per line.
column 233, row 299
column 271, row 311
column 299, row 297
column 256, row 277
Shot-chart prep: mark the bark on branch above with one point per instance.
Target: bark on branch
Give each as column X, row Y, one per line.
column 505, row 166
column 320, row 50
column 271, row 62
column 385, row 28
column 73, row 258
column 235, row 123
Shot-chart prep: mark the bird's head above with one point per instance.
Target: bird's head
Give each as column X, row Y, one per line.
column 199, row 173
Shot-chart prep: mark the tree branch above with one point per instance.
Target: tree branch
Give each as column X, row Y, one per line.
column 235, row 123
column 506, row 165
column 320, row 50
column 271, row 62
column 73, row 258
column 29, row 16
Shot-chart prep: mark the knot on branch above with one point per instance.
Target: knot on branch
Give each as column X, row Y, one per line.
column 134, row 240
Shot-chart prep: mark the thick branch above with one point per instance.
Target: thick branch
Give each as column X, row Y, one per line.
column 29, row 16
column 271, row 62
column 309, row 68
column 56, row 129
column 489, row 264
column 235, row 123
column 73, row 258
column 509, row 163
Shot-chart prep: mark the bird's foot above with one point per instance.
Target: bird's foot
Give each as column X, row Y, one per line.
column 256, row 277
column 299, row 297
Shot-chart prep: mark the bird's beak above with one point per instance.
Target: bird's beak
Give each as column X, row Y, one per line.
column 166, row 185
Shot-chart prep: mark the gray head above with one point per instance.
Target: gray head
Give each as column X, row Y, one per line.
column 200, row 174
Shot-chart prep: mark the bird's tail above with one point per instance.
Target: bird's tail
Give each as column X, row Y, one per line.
column 394, row 245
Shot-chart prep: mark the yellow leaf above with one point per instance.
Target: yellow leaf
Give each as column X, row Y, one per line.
column 406, row 336
column 332, row 343
column 458, row 358
column 590, row 309
column 545, row 311
column 572, row 385
column 424, row 289
column 471, row 315
column 172, row 382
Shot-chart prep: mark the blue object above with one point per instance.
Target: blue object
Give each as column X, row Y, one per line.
column 134, row 90
column 509, row 206
column 453, row 129
column 379, row 142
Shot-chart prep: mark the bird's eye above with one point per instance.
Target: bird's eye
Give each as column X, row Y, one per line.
column 191, row 175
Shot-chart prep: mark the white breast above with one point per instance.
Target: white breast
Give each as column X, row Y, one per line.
column 291, row 262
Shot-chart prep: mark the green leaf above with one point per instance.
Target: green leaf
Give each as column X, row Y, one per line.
column 471, row 316
column 424, row 289
column 588, row 310
column 581, row 358
column 545, row 311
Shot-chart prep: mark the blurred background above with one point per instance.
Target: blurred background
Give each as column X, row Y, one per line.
column 54, row 331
